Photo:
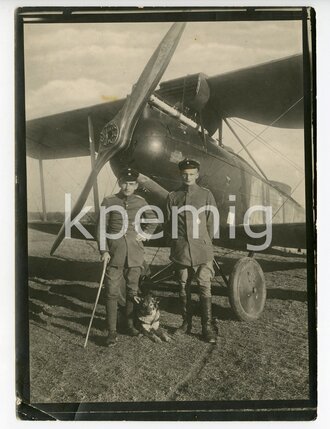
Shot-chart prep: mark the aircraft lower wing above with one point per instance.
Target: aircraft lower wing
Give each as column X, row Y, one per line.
column 291, row 235
column 282, row 234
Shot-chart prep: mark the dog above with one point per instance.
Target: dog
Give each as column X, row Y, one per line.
column 148, row 315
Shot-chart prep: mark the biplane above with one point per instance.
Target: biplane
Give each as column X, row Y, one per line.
column 155, row 127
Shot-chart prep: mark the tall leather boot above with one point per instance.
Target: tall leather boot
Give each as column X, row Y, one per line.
column 111, row 319
column 130, row 318
column 206, row 310
column 186, row 312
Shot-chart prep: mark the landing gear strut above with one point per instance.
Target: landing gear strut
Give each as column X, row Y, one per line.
column 246, row 286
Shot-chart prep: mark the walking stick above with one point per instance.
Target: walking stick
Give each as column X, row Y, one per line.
column 96, row 301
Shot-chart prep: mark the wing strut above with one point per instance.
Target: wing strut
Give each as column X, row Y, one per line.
column 245, row 148
column 203, row 130
column 42, row 187
column 220, row 131
column 92, row 153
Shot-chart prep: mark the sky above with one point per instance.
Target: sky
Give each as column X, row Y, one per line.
column 68, row 66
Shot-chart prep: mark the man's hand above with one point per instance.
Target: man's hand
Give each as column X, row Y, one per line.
column 140, row 237
column 106, row 257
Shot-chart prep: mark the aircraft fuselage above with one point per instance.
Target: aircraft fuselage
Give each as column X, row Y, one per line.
column 160, row 141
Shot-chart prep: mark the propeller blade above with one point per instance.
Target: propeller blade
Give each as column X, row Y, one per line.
column 100, row 162
column 117, row 133
column 119, row 130
column 152, row 73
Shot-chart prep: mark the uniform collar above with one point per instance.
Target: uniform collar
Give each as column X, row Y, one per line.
column 123, row 197
column 190, row 189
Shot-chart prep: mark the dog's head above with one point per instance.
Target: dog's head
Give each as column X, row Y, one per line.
column 147, row 304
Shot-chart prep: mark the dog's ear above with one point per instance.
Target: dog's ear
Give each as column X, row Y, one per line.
column 156, row 300
column 137, row 299
column 145, row 289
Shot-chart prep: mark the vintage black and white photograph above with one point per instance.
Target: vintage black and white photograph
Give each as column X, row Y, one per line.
column 168, row 163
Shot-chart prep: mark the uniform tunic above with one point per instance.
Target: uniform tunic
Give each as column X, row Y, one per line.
column 192, row 254
column 187, row 250
column 127, row 254
column 126, row 250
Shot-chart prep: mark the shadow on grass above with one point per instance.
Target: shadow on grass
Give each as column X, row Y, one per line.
column 169, row 304
column 62, row 297
column 97, row 339
column 74, row 296
column 287, row 295
column 172, row 305
column 52, row 269
column 35, row 312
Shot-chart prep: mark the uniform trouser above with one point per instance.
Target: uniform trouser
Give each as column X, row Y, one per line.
column 114, row 278
column 204, row 274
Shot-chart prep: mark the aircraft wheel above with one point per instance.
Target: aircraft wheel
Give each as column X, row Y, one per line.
column 247, row 289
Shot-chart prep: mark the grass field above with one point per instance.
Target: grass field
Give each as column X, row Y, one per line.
column 266, row 359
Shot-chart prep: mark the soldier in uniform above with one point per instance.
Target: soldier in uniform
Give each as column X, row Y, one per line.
column 124, row 254
column 193, row 256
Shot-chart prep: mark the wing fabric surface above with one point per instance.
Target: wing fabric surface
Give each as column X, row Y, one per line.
column 261, row 94
column 292, row 235
column 269, row 94
column 65, row 135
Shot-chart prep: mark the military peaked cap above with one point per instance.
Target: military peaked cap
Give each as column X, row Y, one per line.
column 128, row 174
column 188, row 163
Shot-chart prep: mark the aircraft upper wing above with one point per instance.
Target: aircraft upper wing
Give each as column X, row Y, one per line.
column 65, row 135
column 269, row 93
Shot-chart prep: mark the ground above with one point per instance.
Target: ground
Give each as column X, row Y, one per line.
column 262, row 360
